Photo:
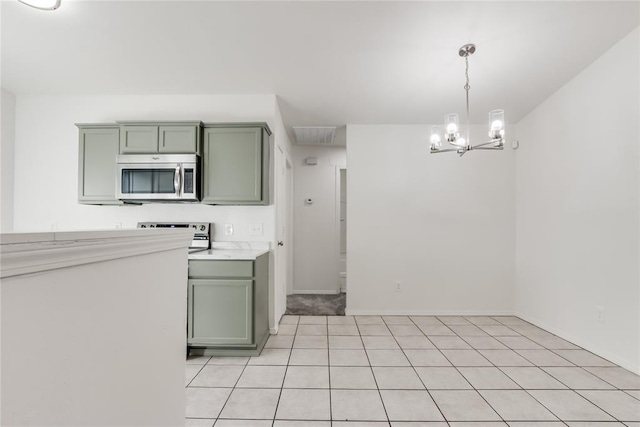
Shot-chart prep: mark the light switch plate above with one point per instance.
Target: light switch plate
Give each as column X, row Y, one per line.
column 228, row 229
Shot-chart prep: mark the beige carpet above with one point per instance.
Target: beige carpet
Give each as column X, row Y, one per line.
column 316, row 304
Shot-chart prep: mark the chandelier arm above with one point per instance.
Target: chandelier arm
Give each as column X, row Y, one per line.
column 445, row 150
column 483, row 144
column 501, row 147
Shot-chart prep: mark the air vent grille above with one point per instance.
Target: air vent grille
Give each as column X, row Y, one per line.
column 314, row 135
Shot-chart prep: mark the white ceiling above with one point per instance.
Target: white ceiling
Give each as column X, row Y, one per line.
column 330, row 63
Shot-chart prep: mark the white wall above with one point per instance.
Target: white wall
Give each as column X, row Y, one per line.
column 7, row 138
column 316, row 234
column 46, row 161
column 577, row 208
column 440, row 224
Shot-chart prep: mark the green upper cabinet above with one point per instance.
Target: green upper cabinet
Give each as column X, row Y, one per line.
column 236, row 164
column 160, row 137
column 138, row 139
column 98, row 148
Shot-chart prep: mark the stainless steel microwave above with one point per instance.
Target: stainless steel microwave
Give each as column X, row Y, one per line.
column 158, row 177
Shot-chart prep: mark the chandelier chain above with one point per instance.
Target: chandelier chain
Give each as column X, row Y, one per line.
column 467, row 86
column 466, row 73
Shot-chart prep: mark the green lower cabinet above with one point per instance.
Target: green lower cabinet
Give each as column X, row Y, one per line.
column 228, row 307
column 221, row 311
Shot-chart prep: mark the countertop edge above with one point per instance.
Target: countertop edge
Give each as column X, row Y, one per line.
column 27, row 253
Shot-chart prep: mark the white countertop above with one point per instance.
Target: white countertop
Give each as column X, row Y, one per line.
column 228, row 254
column 26, row 253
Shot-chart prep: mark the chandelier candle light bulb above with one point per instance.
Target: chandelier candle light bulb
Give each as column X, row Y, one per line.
column 452, row 127
column 435, row 137
column 496, row 124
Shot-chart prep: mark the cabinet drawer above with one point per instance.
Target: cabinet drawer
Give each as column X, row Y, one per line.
column 205, row 268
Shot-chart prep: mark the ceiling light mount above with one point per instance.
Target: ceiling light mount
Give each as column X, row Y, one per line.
column 452, row 131
column 42, row 4
column 467, row 50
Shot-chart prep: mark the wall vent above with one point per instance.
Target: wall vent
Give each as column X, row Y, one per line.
column 314, row 135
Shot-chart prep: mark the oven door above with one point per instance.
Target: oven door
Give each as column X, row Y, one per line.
column 167, row 178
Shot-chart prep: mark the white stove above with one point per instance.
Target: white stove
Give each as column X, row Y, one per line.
column 201, row 239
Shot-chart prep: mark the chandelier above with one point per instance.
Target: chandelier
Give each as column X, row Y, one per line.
column 452, row 131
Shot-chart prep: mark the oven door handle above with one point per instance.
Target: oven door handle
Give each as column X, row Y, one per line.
column 177, row 180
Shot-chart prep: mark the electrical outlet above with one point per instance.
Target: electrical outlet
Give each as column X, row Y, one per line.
column 398, row 285
column 228, row 229
column 600, row 313
column 256, row 229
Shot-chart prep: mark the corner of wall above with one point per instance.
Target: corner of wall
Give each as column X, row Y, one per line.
column 7, row 153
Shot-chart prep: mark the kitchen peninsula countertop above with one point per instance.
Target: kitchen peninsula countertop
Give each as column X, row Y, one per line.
column 232, row 254
column 241, row 251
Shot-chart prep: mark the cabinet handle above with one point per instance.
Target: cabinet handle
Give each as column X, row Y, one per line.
column 280, row 243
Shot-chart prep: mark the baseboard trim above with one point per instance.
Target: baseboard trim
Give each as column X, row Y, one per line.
column 323, row 292
column 633, row 367
column 425, row 313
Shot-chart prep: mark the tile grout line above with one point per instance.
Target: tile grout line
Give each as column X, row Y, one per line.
column 329, row 374
column 465, row 378
column 416, row 372
column 286, row 369
column 375, row 380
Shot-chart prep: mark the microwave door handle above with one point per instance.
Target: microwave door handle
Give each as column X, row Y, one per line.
column 177, row 179
column 182, row 170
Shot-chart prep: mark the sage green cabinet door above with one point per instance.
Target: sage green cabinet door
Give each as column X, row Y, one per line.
column 220, row 312
column 138, row 139
column 233, row 162
column 178, row 139
column 97, row 172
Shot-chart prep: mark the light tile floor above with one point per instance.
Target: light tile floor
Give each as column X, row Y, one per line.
column 411, row 371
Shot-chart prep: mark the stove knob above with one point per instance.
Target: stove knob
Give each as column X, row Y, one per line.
column 202, row 227
column 152, row 226
column 143, row 226
column 195, row 227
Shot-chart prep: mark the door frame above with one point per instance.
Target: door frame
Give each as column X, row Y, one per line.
column 282, row 255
